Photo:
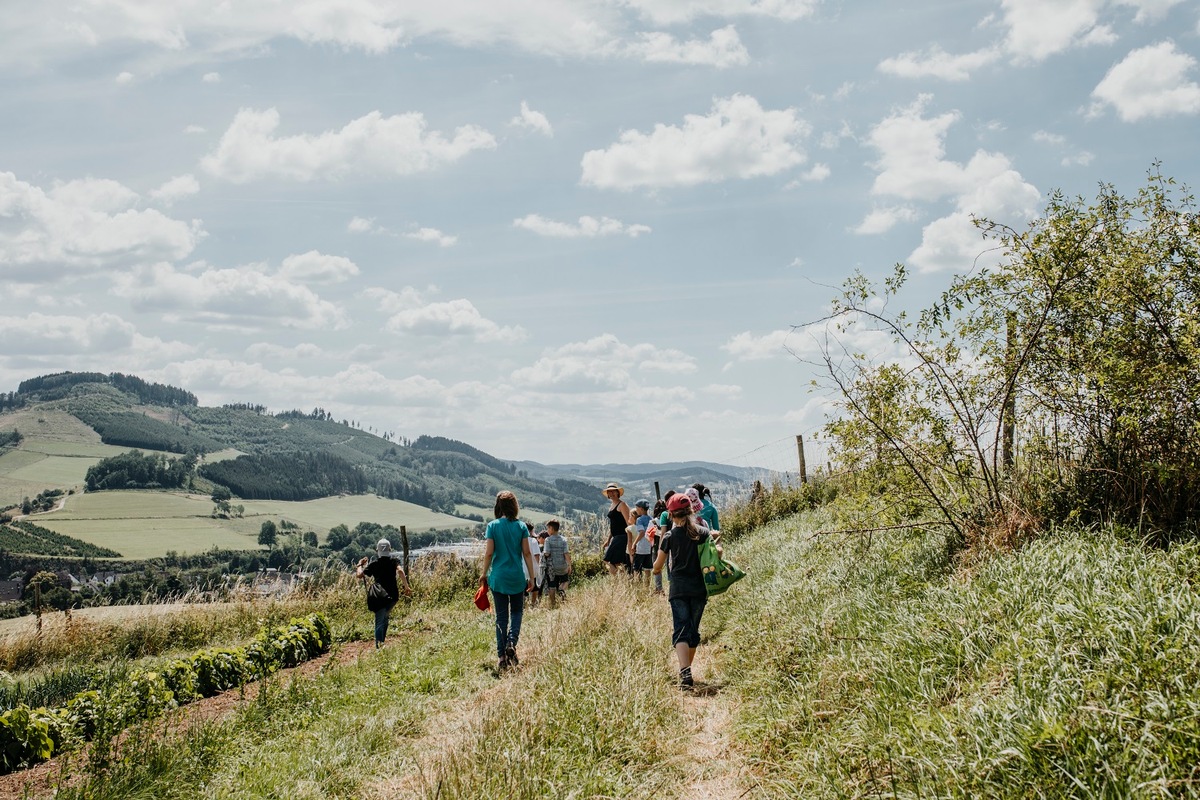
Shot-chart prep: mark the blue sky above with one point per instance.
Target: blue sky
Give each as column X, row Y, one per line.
column 584, row 231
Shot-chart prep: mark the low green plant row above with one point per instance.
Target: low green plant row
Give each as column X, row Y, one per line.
column 29, row 736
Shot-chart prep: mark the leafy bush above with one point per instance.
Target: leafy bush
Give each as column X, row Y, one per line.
column 29, row 736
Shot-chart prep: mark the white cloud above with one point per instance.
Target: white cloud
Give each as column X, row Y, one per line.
column 42, row 335
column 124, row 77
column 83, row 224
column 412, row 313
column 176, row 189
column 882, row 220
column 723, row 49
column 265, row 351
column 248, row 297
column 211, row 77
column 912, row 166
column 1151, row 82
column 818, row 173
column 937, row 63
column 372, row 144
column 587, row 228
column 1038, row 29
column 432, row 235
column 672, row 12
column 532, row 120
column 314, row 267
column 194, row 129
column 1080, row 159
column 1045, row 137
column 746, row 346
column 738, row 139
column 601, row 364
column 363, row 225
column 1150, row 10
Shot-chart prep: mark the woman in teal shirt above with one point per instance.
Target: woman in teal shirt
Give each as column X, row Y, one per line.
column 507, row 544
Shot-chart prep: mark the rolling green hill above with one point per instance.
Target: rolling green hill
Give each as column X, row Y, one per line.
column 86, row 435
column 68, row 422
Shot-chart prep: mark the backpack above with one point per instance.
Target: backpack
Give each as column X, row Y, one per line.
column 556, row 555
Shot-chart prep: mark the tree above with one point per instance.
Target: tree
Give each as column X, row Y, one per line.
column 1062, row 384
column 268, row 533
column 339, row 537
column 310, row 539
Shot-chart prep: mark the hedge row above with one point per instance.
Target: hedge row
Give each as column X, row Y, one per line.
column 32, row 735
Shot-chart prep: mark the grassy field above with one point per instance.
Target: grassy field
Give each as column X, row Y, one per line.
column 145, row 524
column 50, row 463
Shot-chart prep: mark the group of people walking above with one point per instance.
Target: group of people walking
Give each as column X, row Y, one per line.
column 642, row 542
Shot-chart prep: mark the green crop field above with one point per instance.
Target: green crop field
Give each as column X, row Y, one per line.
column 148, row 538
column 93, row 450
column 145, row 524
column 55, row 470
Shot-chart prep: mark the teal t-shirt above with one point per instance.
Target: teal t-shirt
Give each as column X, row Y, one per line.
column 506, row 575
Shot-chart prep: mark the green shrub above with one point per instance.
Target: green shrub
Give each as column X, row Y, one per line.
column 24, row 739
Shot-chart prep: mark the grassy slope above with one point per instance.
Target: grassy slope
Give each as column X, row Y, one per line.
column 846, row 668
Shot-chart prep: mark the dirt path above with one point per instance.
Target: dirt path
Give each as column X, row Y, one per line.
column 42, row 780
column 718, row 770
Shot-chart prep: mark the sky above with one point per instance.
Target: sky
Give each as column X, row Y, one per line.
column 583, row 231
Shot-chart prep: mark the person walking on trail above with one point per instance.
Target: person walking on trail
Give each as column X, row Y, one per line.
column 617, row 547
column 708, row 510
column 535, row 577
column 507, row 563
column 693, row 497
column 388, row 572
column 654, row 533
column 643, row 560
column 557, row 557
column 687, row 593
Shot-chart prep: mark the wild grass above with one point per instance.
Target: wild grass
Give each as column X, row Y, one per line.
column 1068, row 669
column 591, row 712
column 853, row 666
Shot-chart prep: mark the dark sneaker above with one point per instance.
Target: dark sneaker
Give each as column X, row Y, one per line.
column 686, row 684
column 501, row 665
column 510, row 654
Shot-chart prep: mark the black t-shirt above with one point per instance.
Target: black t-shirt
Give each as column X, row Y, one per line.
column 684, row 557
column 383, row 570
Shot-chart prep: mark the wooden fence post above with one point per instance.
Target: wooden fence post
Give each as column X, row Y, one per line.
column 404, row 544
column 803, row 466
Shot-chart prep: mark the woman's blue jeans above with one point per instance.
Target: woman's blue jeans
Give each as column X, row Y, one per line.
column 381, row 624
column 509, row 610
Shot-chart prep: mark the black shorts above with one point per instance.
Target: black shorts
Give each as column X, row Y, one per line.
column 557, row 581
column 643, row 561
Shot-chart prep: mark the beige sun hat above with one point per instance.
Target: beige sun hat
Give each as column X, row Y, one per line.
column 611, row 487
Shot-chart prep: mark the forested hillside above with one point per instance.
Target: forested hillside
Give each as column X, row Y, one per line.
column 291, row 455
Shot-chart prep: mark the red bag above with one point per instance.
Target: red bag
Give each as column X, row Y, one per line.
column 481, row 598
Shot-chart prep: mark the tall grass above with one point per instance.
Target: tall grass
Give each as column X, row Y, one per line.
column 1068, row 669
column 591, row 712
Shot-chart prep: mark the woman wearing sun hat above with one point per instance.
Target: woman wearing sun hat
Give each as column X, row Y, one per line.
column 617, row 546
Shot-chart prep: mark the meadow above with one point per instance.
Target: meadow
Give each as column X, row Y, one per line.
column 148, row 524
